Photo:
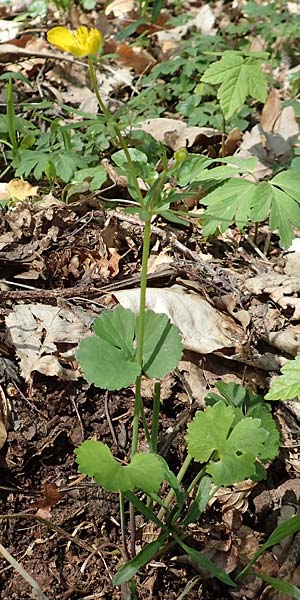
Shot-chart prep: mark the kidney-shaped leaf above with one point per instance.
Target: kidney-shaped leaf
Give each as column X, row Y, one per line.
column 107, row 358
column 145, row 472
column 162, row 345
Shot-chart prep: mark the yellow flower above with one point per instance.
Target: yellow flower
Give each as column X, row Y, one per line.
column 83, row 42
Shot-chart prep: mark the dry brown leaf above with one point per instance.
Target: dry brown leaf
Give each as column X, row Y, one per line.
column 177, row 134
column 271, row 110
column 119, row 8
column 36, row 330
column 135, row 57
column 203, row 328
column 281, row 288
column 20, row 190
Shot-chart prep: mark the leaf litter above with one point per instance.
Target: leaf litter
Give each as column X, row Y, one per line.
column 49, row 246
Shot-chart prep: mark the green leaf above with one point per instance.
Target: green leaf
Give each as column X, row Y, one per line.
column 205, row 563
column 162, row 345
column 227, row 204
column 280, row 585
column 107, row 358
column 232, row 442
column 289, row 527
column 239, row 77
column 200, row 503
column 128, row 570
column 287, row 385
column 241, row 201
column 97, row 175
column 145, row 471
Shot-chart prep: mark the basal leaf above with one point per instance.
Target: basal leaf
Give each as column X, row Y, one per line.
column 145, row 472
column 107, row 358
column 239, row 77
column 208, row 431
column 117, row 327
column 232, row 468
column 230, row 442
column 287, row 385
column 271, row 446
column 162, row 345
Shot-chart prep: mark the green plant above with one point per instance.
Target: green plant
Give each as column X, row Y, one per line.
column 231, row 439
column 287, row 385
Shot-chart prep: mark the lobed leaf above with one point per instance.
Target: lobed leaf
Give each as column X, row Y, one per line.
column 287, row 385
column 145, row 471
column 239, row 77
column 231, row 443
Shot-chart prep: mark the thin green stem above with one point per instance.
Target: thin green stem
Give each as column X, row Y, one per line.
column 110, row 119
column 140, row 335
column 184, row 467
column 155, row 416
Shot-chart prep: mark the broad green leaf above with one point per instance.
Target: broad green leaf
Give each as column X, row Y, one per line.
column 117, row 327
column 231, row 441
column 271, row 445
column 205, row 563
column 208, row 431
column 98, row 176
column 287, row 385
column 107, row 358
column 128, row 570
column 280, row 584
column 239, row 77
column 162, row 345
column 145, row 471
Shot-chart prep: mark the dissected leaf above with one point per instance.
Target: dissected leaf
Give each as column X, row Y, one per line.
column 287, row 385
column 239, row 77
column 241, row 201
column 252, row 405
column 145, row 471
column 231, row 443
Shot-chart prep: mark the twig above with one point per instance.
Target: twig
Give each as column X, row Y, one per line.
column 35, row 586
column 81, row 290
column 111, row 427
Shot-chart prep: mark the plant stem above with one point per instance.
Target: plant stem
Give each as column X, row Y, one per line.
column 117, row 130
column 223, row 137
column 123, row 530
column 155, row 416
column 184, row 467
column 140, row 334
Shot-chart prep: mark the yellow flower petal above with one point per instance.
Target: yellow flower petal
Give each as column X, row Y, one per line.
column 60, row 37
column 82, row 42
